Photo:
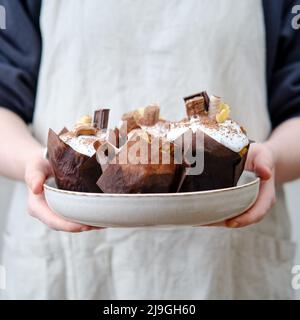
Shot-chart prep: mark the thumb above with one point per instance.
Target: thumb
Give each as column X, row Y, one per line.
column 35, row 176
column 263, row 166
column 35, row 180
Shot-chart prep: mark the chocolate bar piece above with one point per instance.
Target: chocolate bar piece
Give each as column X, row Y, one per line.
column 197, row 104
column 101, row 119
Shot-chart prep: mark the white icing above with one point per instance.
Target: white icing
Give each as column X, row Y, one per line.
column 176, row 132
column 82, row 144
column 228, row 133
column 158, row 130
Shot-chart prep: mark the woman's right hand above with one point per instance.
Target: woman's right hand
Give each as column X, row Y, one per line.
column 36, row 172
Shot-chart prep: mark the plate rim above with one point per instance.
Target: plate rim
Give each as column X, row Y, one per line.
column 255, row 181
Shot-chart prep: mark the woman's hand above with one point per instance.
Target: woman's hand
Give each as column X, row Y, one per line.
column 261, row 161
column 36, row 172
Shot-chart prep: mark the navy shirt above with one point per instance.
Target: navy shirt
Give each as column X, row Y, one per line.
column 21, row 45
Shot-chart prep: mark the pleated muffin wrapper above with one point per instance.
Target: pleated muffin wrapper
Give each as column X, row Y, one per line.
column 72, row 170
column 140, row 177
column 222, row 167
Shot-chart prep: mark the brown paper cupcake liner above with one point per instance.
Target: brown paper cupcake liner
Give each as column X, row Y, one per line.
column 72, row 170
column 222, row 168
column 138, row 178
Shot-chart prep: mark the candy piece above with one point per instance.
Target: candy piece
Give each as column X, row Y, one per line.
column 214, row 106
column 101, row 119
column 85, row 130
column 197, row 104
column 223, row 114
column 150, row 116
column 195, row 107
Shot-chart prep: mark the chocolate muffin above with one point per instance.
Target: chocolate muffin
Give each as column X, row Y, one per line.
column 72, row 153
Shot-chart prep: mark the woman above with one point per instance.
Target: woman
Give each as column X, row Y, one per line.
column 123, row 54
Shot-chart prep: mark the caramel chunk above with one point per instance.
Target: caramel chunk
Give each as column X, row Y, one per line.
column 85, row 130
column 150, row 115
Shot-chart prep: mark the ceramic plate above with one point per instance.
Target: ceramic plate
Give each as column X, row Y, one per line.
column 167, row 209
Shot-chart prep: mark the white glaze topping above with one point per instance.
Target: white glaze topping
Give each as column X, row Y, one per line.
column 82, row 144
column 228, row 133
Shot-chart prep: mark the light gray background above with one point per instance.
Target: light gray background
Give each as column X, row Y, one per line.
column 293, row 200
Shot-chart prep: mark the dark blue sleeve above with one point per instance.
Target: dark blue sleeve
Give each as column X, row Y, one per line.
column 283, row 60
column 20, row 52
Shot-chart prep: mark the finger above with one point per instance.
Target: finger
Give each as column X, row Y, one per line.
column 42, row 212
column 37, row 180
column 36, row 176
column 264, row 202
column 216, row 224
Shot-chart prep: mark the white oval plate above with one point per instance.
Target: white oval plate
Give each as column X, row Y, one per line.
column 156, row 209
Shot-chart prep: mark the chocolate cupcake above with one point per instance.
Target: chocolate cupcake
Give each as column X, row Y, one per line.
column 144, row 164
column 224, row 145
column 72, row 154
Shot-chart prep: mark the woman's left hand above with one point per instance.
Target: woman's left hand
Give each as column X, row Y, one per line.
column 261, row 161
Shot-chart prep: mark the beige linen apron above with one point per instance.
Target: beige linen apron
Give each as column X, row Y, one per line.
column 126, row 54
